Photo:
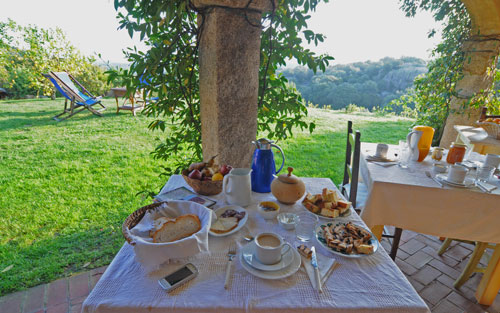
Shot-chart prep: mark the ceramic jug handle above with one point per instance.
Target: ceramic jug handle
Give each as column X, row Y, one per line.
column 225, row 182
column 282, row 154
column 408, row 138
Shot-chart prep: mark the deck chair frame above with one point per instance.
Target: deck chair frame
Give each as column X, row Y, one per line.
column 75, row 99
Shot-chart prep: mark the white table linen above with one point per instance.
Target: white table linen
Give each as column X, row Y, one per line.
column 371, row 284
column 408, row 199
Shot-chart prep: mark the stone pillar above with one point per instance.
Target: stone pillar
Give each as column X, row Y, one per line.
column 229, row 79
column 482, row 53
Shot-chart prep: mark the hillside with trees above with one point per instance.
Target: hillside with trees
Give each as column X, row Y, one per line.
column 366, row 84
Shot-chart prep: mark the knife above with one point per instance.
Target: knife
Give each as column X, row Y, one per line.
column 314, row 263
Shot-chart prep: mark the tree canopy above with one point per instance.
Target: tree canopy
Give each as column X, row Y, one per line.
column 172, row 33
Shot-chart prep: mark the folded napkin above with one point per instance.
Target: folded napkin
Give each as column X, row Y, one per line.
column 374, row 158
column 324, row 264
column 486, row 186
column 387, row 164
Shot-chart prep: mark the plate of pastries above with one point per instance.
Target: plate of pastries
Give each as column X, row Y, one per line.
column 328, row 204
column 347, row 239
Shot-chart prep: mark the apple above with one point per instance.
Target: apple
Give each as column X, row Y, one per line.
column 195, row 174
column 225, row 169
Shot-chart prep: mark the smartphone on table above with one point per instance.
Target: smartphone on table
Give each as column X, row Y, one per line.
column 178, row 277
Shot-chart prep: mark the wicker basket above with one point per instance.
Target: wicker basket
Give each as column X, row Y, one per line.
column 134, row 218
column 493, row 129
column 204, row 187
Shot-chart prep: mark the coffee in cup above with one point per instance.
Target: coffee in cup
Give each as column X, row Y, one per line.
column 381, row 151
column 457, row 174
column 270, row 248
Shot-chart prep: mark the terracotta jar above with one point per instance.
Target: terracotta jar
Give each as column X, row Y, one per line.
column 288, row 188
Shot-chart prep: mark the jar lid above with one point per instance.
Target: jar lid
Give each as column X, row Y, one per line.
column 458, row 145
column 289, row 178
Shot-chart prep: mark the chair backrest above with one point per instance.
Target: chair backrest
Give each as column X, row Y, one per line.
column 58, row 87
column 69, row 84
column 351, row 167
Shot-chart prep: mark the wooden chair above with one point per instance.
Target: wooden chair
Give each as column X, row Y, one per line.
column 356, row 191
column 471, row 267
column 79, row 97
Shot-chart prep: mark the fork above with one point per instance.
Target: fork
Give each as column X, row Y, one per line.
column 231, row 253
column 433, row 178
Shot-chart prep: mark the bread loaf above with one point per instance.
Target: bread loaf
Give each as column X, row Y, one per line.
column 224, row 224
column 176, row 229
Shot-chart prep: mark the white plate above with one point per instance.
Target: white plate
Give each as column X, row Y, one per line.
column 241, row 223
column 321, row 240
column 288, row 271
column 248, row 253
column 468, row 182
column 346, row 214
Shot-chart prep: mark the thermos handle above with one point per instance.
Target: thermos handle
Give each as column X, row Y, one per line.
column 225, row 182
column 282, row 154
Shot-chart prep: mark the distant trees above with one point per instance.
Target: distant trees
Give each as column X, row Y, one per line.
column 367, row 84
column 26, row 52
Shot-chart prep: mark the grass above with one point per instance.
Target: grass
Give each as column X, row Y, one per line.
column 65, row 188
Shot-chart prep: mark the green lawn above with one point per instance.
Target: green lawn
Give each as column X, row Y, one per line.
column 65, row 188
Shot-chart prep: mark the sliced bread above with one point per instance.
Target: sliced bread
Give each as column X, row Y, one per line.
column 224, row 224
column 176, row 229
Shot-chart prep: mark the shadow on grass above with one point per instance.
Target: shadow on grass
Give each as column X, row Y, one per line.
column 56, row 257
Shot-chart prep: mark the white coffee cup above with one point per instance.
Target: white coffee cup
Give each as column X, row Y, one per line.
column 492, row 160
column 270, row 248
column 457, row 174
column 381, row 151
column 237, row 186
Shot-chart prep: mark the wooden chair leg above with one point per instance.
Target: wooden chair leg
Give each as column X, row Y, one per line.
column 472, row 264
column 444, row 246
column 395, row 243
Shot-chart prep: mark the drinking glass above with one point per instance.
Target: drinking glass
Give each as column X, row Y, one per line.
column 404, row 154
column 306, row 226
column 484, row 173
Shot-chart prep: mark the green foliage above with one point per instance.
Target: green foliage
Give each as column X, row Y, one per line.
column 433, row 91
column 27, row 52
column 171, row 32
column 366, row 84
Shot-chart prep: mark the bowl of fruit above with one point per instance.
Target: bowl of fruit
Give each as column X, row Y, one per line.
column 206, row 177
column 491, row 126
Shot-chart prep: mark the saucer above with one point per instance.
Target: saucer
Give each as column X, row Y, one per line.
column 248, row 254
column 279, row 274
column 468, row 182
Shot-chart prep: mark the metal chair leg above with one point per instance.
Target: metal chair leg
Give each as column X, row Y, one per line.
column 395, row 243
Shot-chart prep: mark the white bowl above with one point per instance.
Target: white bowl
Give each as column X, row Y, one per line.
column 288, row 220
column 268, row 214
column 439, row 168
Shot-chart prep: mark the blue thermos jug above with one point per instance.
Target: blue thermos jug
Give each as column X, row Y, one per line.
column 263, row 166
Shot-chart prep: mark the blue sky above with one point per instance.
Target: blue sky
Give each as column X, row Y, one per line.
column 356, row 30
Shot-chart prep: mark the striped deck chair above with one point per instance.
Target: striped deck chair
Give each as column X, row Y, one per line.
column 79, row 97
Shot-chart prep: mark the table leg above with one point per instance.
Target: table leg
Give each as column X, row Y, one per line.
column 490, row 283
column 377, row 230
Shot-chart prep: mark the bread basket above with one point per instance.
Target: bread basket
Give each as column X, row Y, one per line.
column 493, row 129
column 204, row 187
column 133, row 219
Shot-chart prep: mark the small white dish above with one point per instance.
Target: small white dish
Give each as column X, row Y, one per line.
column 279, row 274
column 267, row 213
column 468, row 182
column 288, row 220
column 249, row 256
column 241, row 223
column 439, row 168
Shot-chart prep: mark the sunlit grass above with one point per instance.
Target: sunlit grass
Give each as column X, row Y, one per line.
column 65, row 188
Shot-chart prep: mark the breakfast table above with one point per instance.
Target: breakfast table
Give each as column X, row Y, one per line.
column 408, row 199
column 372, row 283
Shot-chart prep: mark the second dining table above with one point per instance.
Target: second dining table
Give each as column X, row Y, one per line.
column 407, row 198
column 370, row 284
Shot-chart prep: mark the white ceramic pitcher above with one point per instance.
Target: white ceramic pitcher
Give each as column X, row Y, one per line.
column 237, row 187
column 412, row 139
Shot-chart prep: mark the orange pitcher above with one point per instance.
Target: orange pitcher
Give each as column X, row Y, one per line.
column 424, row 144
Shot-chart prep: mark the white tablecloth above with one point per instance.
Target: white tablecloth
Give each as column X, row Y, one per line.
column 371, row 284
column 408, row 199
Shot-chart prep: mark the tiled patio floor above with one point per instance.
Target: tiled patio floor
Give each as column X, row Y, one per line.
column 431, row 275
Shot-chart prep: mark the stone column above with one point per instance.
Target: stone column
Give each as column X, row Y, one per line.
column 482, row 53
column 229, row 79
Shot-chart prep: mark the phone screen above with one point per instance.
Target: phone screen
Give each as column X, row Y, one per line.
column 177, row 276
